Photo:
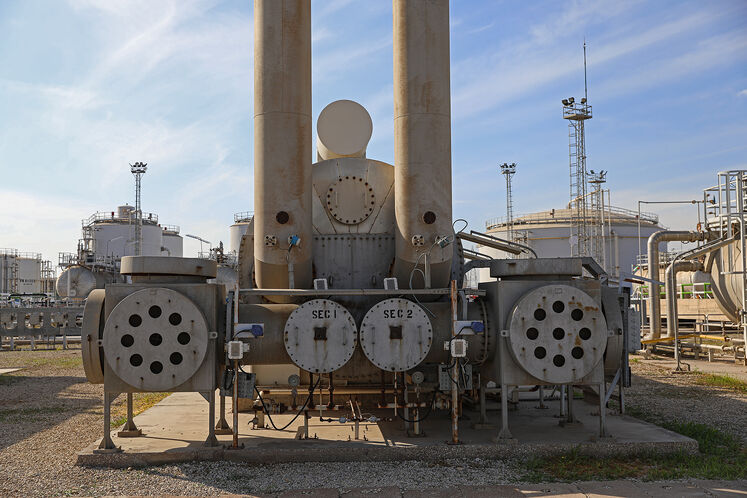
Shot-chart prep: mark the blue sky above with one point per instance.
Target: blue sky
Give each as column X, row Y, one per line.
column 87, row 86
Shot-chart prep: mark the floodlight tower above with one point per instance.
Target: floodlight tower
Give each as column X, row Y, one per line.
column 138, row 170
column 508, row 170
column 596, row 216
column 577, row 114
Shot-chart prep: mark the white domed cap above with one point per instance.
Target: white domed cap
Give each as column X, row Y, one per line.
column 343, row 129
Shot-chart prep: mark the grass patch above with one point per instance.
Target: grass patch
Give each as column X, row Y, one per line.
column 720, row 456
column 140, row 403
column 725, row 381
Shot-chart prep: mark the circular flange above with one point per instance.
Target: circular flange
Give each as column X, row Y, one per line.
column 320, row 336
column 557, row 333
column 396, row 335
column 350, row 200
column 155, row 339
column 90, row 335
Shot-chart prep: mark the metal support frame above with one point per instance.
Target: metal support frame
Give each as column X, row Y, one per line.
column 211, row 440
column 130, row 429
column 107, row 445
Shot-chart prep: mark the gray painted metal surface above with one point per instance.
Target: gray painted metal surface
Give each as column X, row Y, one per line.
column 91, row 337
column 396, row 335
column 40, row 321
column 557, row 333
column 320, row 336
column 155, row 339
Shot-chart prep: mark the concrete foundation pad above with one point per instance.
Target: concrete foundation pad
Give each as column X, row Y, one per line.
column 175, row 430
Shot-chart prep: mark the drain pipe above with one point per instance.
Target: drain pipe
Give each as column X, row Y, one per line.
column 653, row 271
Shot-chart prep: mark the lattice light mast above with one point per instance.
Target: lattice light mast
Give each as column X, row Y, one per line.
column 596, row 216
column 577, row 114
column 508, row 170
column 138, row 170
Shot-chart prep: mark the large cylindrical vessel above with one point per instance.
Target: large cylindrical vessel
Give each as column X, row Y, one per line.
column 77, row 282
column 422, row 139
column 282, row 143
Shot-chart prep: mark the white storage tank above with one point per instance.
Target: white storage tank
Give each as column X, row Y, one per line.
column 8, row 270
column 172, row 242
column 114, row 233
column 242, row 224
column 548, row 233
column 29, row 273
column 77, row 282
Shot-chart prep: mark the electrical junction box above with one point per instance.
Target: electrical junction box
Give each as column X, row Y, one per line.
column 245, row 381
column 458, row 348
column 235, row 350
column 464, row 377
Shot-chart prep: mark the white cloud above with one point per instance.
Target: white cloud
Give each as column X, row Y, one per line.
column 743, row 93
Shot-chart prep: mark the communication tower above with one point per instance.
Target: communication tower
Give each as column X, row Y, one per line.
column 577, row 114
column 508, row 170
column 138, row 170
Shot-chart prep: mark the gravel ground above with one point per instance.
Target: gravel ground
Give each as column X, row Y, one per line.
column 677, row 397
column 48, row 412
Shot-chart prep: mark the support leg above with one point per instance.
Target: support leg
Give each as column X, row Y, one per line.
column 12, row 343
column 130, row 429
column 222, row 427
column 541, row 405
column 505, row 434
column 602, row 413
column 571, row 418
column 107, row 445
column 562, row 402
column 211, row 439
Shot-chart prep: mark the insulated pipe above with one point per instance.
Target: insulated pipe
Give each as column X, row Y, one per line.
column 653, row 271
column 282, row 143
column 670, row 284
column 422, row 141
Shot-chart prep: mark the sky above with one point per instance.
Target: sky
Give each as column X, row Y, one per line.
column 89, row 86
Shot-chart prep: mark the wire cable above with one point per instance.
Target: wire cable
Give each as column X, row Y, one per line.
column 311, row 393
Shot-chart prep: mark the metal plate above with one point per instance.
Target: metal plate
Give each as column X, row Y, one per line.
column 557, row 333
column 93, row 358
column 155, row 339
column 350, row 200
column 320, row 336
column 396, row 335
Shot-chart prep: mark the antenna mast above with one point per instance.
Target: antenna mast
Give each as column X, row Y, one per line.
column 586, row 90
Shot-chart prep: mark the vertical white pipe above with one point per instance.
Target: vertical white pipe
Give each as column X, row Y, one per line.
column 422, row 138
column 282, row 141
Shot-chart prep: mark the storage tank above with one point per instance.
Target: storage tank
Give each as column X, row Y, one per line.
column 172, row 243
column 114, row 233
column 29, row 273
column 8, row 270
column 548, row 233
column 227, row 276
column 79, row 281
column 242, row 224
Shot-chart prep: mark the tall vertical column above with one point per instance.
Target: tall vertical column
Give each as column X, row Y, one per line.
column 422, row 140
column 282, row 143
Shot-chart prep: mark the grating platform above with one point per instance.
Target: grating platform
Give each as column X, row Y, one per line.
column 174, row 431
